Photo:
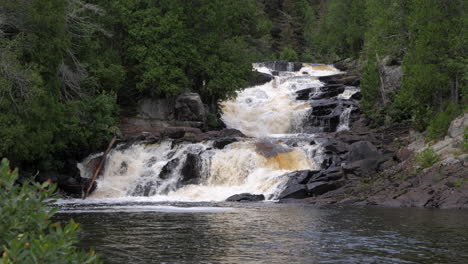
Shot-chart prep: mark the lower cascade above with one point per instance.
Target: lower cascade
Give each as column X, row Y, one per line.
column 284, row 121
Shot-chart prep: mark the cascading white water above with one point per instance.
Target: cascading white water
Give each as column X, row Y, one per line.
column 344, row 119
column 238, row 168
column 272, row 108
column 269, row 113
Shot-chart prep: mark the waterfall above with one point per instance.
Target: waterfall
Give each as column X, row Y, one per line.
column 272, row 117
column 344, row 119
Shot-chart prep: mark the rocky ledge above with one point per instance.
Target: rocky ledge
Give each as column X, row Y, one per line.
column 370, row 168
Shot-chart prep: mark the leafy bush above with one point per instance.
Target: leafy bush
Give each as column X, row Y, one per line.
column 26, row 232
column 439, row 125
column 427, row 158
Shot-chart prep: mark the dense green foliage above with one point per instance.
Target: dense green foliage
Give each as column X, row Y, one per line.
column 26, row 233
column 67, row 67
column 48, row 105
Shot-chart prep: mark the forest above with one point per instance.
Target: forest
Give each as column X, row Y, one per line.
column 69, row 68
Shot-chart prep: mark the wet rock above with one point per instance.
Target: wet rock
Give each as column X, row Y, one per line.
column 304, row 94
column 180, row 132
column 297, row 191
column 189, row 107
column 356, row 96
column 259, row 78
column 230, row 132
column 325, row 115
column 169, row 169
column 191, row 169
column 220, row 143
column 270, row 149
column 246, row 197
column 328, row 91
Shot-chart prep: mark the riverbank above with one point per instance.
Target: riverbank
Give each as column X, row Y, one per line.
column 415, row 174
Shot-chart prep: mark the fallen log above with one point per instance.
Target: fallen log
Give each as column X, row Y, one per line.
column 98, row 169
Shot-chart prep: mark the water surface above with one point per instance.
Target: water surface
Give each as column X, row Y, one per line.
column 269, row 233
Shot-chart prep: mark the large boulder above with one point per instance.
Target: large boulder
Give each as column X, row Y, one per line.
column 246, row 197
column 191, row 169
column 363, row 150
column 189, row 107
column 363, row 159
column 159, row 109
column 457, row 127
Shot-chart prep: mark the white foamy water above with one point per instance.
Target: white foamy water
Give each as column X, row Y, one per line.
column 272, row 108
column 238, row 168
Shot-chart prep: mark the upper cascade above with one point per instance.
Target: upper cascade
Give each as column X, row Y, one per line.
column 271, row 109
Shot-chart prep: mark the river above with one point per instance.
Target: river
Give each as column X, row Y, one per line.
column 139, row 232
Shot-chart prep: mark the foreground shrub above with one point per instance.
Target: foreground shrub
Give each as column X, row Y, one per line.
column 26, row 233
column 427, row 158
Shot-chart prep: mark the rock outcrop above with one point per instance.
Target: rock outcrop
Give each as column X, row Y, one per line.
column 246, row 197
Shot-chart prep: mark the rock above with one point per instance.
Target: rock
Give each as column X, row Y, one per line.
column 298, row 191
column 362, row 168
column 356, row 96
column 457, row 127
column 269, row 149
column 230, row 132
column 259, row 78
column 246, row 197
column 189, row 107
column 346, row 64
column 160, row 109
column 336, row 147
column 327, row 175
column 328, row 91
column 321, row 187
column 296, row 187
column 180, row 132
column 222, row 142
column 404, row 154
column 363, row 150
column 191, row 169
column 300, row 177
column 304, row 94
column 325, row 115
column 169, row 168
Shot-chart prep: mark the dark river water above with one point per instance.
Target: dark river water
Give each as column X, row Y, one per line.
column 269, row 233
